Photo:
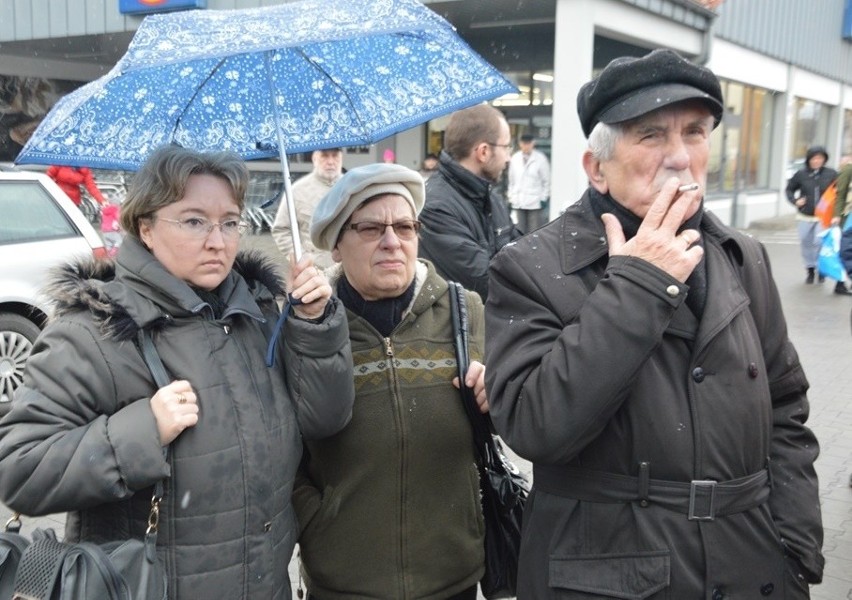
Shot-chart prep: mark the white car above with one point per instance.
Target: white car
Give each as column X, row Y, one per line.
column 40, row 228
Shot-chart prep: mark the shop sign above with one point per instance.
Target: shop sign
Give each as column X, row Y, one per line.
column 144, row 7
column 847, row 21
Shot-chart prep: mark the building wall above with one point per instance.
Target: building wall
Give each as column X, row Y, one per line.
column 804, row 33
column 791, row 47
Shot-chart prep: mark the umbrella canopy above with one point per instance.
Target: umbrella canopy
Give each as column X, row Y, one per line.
column 294, row 77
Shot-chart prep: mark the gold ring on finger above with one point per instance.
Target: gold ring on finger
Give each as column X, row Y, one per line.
column 181, row 399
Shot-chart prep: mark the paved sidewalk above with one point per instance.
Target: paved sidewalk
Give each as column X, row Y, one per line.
column 819, row 324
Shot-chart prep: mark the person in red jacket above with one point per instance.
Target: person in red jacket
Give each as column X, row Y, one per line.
column 71, row 178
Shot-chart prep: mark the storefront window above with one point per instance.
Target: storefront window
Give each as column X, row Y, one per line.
column 847, row 133
column 809, row 129
column 741, row 147
column 535, row 88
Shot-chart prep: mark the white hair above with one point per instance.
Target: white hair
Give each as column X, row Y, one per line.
column 603, row 138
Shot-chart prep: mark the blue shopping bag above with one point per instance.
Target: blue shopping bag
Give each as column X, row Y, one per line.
column 829, row 262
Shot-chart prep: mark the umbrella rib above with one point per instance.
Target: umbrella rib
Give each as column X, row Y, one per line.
column 194, row 94
column 327, row 75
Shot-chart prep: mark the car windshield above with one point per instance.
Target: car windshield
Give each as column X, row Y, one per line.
column 29, row 213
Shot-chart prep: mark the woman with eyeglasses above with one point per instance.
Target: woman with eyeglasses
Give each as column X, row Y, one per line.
column 88, row 427
column 389, row 507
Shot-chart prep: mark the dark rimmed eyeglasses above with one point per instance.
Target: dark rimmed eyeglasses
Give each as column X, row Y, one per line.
column 370, row 231
column 506, row 146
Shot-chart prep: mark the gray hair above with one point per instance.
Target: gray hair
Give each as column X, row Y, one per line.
column 162, row 181
column 603, row 138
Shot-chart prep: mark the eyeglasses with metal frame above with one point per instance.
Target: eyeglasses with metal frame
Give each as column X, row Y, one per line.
column 199, row 227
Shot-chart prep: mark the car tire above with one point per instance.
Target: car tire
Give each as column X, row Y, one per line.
column 17, row 335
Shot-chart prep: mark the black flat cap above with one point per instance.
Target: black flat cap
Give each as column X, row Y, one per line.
column 527, row 137
column 630, row 87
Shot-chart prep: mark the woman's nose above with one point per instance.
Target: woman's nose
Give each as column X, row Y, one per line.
column 389, row 237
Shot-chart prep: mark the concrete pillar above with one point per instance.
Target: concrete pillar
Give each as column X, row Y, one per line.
column 572, row 67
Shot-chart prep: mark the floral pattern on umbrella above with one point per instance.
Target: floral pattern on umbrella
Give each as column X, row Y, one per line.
column 321, row 73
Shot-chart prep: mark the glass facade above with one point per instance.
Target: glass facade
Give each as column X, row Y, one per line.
column 741, row 148
column 535, row 88
column 810, row 127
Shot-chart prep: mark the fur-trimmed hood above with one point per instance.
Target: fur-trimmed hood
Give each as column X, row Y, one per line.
column 98, row 286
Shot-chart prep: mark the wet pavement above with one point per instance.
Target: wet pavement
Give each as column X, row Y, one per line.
column 819, row 325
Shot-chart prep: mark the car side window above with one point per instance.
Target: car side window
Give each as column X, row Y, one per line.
column 30, row 214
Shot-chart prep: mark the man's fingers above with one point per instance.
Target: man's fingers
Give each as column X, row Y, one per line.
column 667, row 211
column 614, row 233
column 659, row 209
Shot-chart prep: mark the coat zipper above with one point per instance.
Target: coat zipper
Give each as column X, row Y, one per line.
column 388, row 344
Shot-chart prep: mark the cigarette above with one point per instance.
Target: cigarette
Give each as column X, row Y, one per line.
column 689, row 187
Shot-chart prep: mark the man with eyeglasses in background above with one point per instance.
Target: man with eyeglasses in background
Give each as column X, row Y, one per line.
column 465, row 221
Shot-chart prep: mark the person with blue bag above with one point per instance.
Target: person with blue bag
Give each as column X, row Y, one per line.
column 842, row 209
column 803, row 191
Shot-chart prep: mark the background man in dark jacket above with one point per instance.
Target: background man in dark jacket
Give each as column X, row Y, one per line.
column 464, row 221
column 804, row 189
column 638, row 356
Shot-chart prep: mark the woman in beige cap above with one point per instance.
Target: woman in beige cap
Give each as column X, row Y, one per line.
column 389, row 507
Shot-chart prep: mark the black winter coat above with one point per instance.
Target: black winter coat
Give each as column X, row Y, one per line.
column 81, row 435
column 599, row 373
column 809, row 184
column 465, row 223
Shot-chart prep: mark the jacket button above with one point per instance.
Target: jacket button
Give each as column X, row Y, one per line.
column 698, row 374
column 673, row 291
column 767, row 588
column 752, row 370
column 717, row 594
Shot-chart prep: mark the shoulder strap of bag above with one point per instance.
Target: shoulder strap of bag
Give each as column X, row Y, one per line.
column 152, row 358
column 482, row 438
column 161, row 379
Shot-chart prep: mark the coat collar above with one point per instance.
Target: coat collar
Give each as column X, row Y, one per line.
column 136, row 290
column 582, row 236
column 468, row 184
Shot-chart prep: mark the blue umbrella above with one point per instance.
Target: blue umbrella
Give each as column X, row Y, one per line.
column 295, row 77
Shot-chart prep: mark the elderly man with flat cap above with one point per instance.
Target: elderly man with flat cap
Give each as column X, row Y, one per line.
column 638, row 356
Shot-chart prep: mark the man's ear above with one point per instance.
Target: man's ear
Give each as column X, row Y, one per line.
column 480, row 152
column 335, row 255
column 594, row 172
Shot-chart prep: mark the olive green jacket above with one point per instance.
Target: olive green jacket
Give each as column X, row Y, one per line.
column 389, row 507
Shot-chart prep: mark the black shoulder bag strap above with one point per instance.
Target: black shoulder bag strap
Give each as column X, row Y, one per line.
column 482, row 438
column 161, row 379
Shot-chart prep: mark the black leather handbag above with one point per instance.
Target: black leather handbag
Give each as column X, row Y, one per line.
column 504, row 488
column 47, row 569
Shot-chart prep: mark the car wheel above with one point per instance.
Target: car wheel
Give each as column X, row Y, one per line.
column 17, row 335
